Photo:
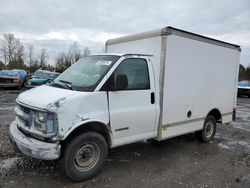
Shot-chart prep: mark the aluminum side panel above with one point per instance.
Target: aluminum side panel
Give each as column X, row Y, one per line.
column 198, row 77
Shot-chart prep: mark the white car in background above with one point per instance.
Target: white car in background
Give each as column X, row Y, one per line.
column 244, row 88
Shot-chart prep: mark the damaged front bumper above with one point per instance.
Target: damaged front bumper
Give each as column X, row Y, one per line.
column 33, row 147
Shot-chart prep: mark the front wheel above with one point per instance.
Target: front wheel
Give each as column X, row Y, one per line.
column 85, row 156
column 208, row 131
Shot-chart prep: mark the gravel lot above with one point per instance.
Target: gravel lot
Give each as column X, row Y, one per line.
column 178, row 162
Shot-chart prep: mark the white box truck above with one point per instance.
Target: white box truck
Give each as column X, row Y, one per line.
column 154, row 85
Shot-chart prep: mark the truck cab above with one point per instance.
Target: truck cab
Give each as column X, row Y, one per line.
column 110, row 95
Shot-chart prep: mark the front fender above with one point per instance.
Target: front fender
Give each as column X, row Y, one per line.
column 85, row 122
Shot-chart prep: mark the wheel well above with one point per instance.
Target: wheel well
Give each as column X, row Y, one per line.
column 217, row 115
column 92, row 126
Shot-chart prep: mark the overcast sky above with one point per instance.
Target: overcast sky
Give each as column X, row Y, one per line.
column 55, row 24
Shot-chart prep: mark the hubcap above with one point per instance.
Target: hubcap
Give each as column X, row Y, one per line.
column 87, row 156
column 209, row 129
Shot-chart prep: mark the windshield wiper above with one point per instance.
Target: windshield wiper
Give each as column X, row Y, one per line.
column 67, row 83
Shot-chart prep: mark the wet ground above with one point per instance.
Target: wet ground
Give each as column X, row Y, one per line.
column 178, row 162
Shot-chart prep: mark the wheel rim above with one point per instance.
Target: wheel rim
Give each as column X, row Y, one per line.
column 87, row 156
column 209, row 129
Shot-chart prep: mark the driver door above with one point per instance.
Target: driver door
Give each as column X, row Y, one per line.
column 132, row 109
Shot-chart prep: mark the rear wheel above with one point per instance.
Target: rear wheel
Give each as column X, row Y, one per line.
column 208, row 131
column 85, row 156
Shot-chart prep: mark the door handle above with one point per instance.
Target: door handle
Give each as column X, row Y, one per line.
column 152, row 96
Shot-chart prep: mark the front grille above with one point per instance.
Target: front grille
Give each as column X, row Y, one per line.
column 24, row 109
column 35, row 84
column 6, row 80
column 25, row 116
column 25, row 122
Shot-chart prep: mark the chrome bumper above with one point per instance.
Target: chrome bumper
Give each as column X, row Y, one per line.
column 9, row 85
column 33, row 147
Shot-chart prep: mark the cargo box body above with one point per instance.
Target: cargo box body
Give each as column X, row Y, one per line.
column 194, row 75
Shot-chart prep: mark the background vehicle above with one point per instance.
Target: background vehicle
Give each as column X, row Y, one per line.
column 12, row 78
column 41, row 77
column 128, row 95
column 244, row 88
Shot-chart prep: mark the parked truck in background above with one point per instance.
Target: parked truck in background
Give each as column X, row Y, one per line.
column 154, row 85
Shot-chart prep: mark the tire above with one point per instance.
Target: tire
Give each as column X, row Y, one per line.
column 209, row 129
column 84, row 156
column 19, row 86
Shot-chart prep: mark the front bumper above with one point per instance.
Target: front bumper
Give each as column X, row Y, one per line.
column 8, row 85
column 32, row 147
column 34, row 84
column 31, row 85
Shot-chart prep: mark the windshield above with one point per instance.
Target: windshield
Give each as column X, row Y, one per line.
column 244, row 84
column 85, row 74
column 38, row 74
column 8, row 73
column 45, row 75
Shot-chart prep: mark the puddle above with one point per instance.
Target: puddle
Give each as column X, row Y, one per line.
column 223, row 146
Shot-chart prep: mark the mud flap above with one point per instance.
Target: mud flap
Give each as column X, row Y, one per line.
column 234, row 115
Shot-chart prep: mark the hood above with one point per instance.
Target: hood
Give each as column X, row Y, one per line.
column 38, row 80
column 42, row 96
column 9, row 77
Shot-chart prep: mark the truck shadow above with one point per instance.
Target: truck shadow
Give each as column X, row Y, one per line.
column 141, row 156
column 125, row 161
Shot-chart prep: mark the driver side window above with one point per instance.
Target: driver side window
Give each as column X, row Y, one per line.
column 136, row 70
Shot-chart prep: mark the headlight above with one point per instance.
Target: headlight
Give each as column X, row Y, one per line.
column 46, row 123
column 42, row 117
column 51, row 124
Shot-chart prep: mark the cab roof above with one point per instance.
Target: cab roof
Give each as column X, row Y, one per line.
column 122, row 54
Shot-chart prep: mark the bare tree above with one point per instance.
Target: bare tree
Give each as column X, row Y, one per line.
column 66, row 59
column 76, row 52
column 43, row 57
column 77, row 56
column 86, row 52
column 11, row 48
column 30, row 54
column 12, row 51
column 19, row 54
column 10, row 45
column 3, row 50
column 60, row 62
column 2, row 65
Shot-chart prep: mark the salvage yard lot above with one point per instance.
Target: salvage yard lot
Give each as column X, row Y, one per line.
column 178, row 162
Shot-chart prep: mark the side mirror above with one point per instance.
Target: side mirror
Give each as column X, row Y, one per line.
column 49, row 81
column 121, row 82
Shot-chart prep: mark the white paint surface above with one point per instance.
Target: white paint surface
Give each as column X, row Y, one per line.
column 199, row 77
